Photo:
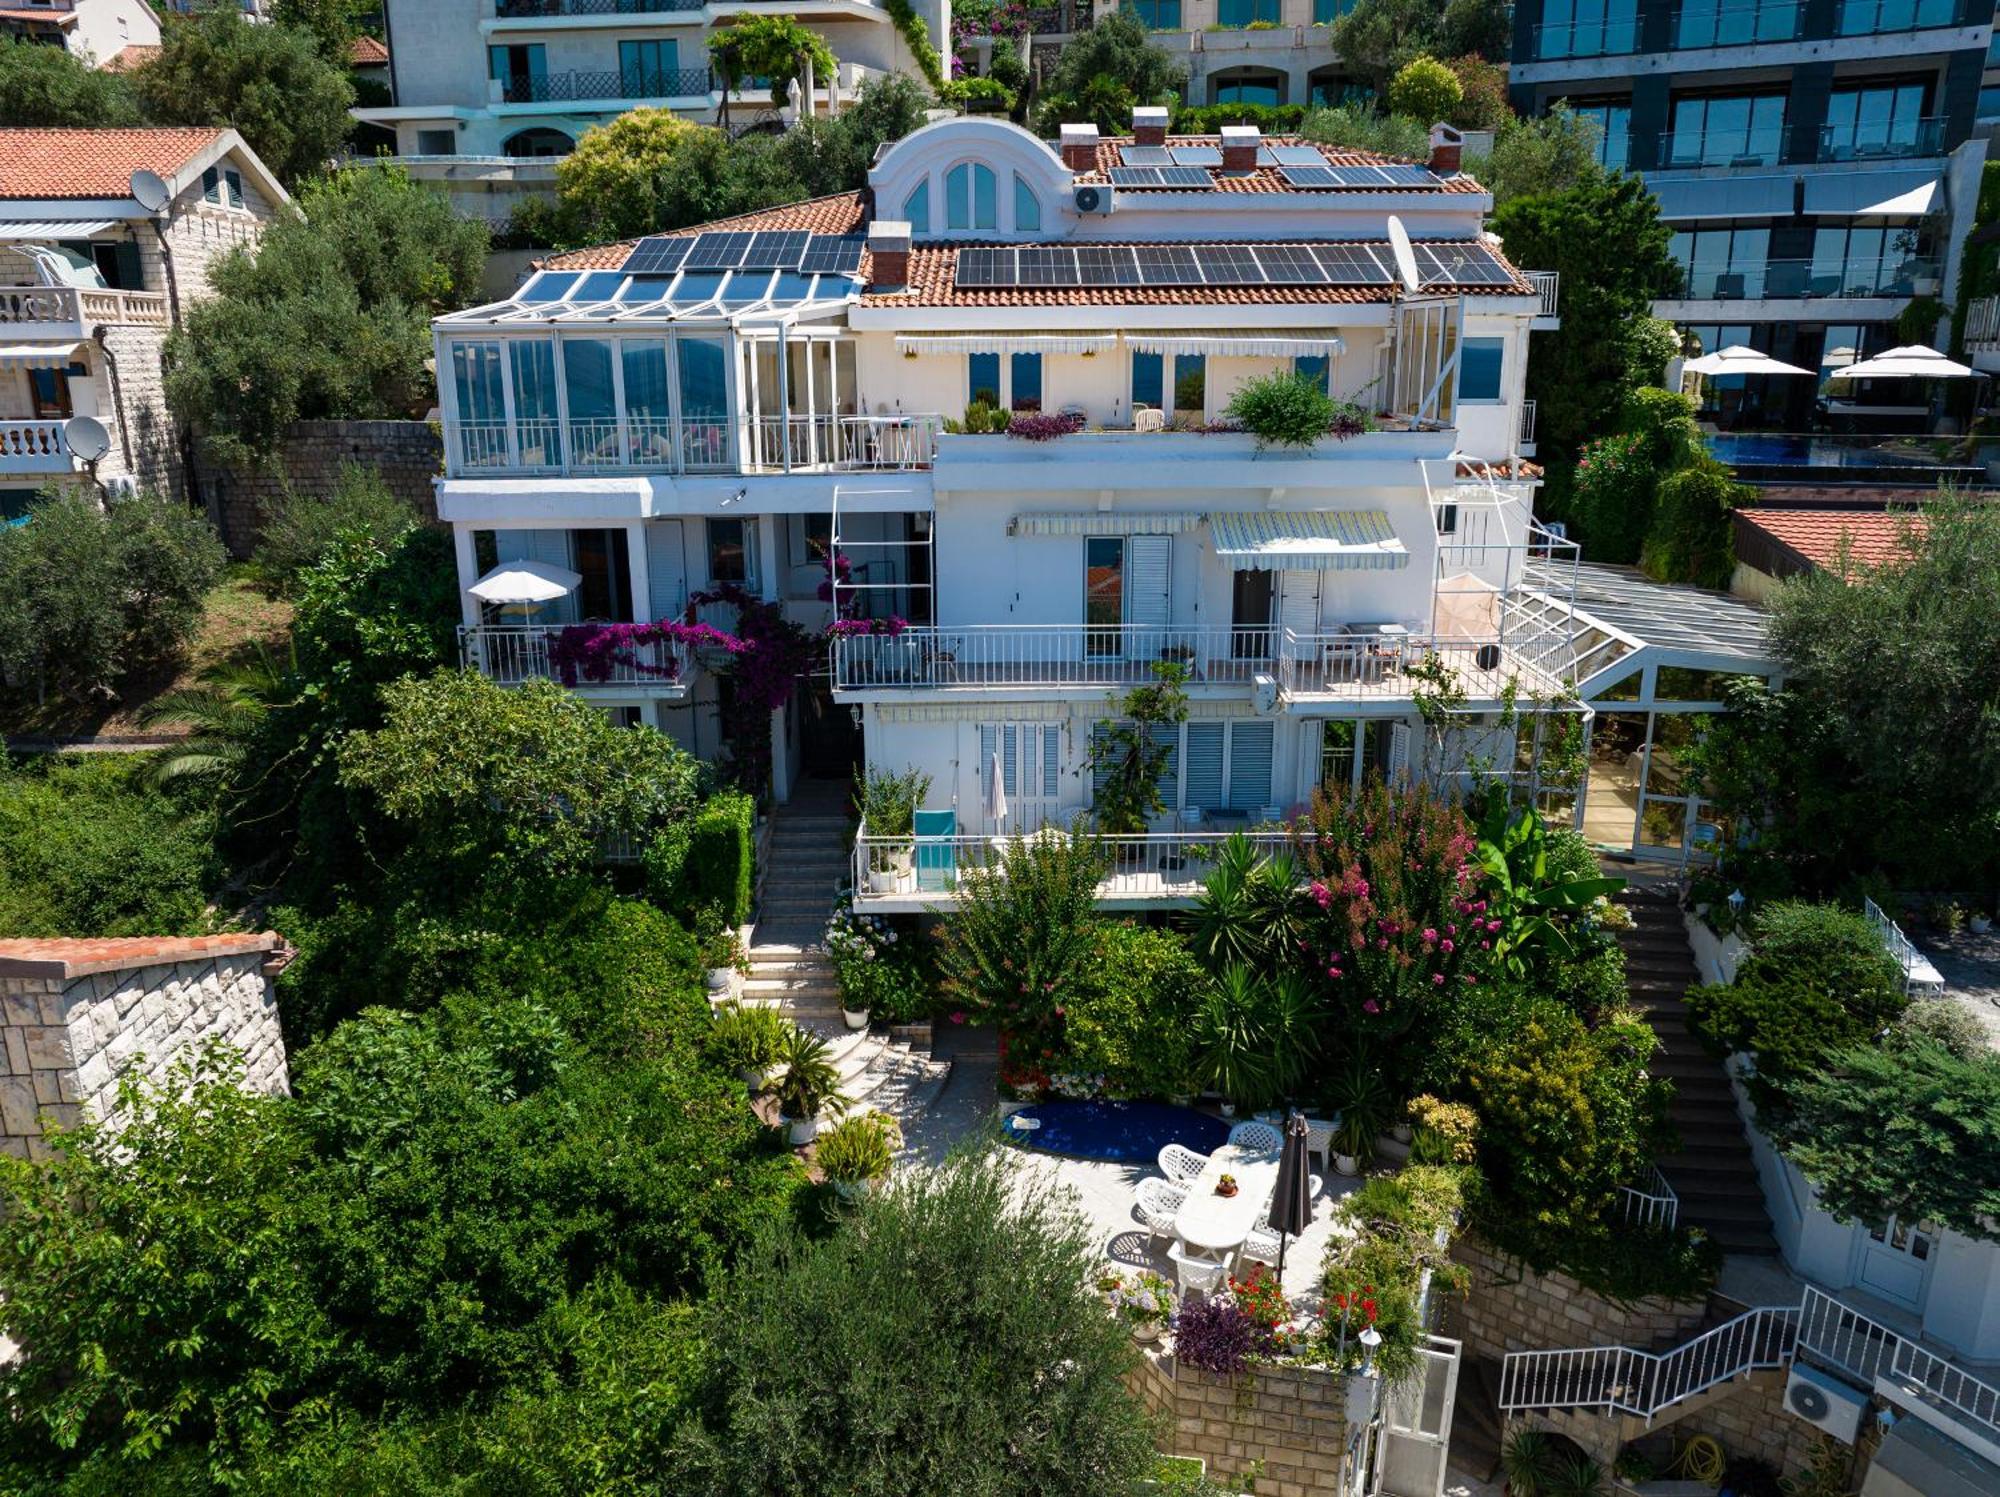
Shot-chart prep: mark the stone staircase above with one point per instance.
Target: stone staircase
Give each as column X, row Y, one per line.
column 1713, row 1172
column 806, row 862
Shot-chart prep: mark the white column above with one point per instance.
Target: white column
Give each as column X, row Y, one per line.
column 781, row 758
column 641, row 571
column 468, row 573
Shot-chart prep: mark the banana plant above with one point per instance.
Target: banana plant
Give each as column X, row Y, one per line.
column 1530, row 900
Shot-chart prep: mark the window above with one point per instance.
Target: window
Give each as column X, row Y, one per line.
column 1156, row 15
column 593, row 412
column 537, row 143
column 982, row 382
column 970, row 197
column 649, row 420
column 437, row 142
column 1733, row 130
column 1722, row 264
column 522, row 72
column 532, row 364
column 1191, row 385
column 1226, row 766
column 705, row 422
column 1614, row 126
column 1026, row 371
column 222, row 186
column 1315, row 367
column 1326, row 12
column 1246, row 12
column 1027, row 207
column 1732, row 23
column 1587, row 28
column 650, row 69
column 1189, row 390
column 732, row 552
column 1866, row 17
column 1867, row 261
column 48, row 392
column 480, row 386
column 917, row 210
column 1885, row 119
column 1480, row 361
column 1267, row 89
column 1148, row 381
column 1103, row 592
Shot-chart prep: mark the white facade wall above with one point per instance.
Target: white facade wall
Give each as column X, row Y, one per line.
column 104, row 28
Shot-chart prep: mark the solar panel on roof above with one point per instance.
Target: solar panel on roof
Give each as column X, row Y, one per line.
column 1351, row 265
column 833, row 254
column 1363, row 178
column 1462, row 264
column 1298, row 156
column 1229, row 265
column 1183, row 177
column 985, row 267
column 659, row 255
column 1167, row 265
column 1411, row 176
column 721, row 251
column 1311, row 177
column 1265, row 158
column 1466, row 263
column 775, row 249
column 1042, row 265
column 1196, row 155
column 1290, row 264
column 1135, row 176
column 1145, row 156
column 1104, row 265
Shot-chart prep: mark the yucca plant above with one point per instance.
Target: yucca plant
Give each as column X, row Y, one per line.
column 859, row 1149
column 745, row 1040
column 810, row 1084
column 223, row 712
column 1527, row 1457
column 1232, row 1031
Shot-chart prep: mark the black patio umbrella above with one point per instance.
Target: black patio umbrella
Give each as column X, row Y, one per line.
column 1291, row 1206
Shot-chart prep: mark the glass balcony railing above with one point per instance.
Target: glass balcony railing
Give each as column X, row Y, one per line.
column 1711, row 25
column 1613, row 36
column 1761, row 145
column 1866, row 141
column 1872, row 17
column 1809, row 279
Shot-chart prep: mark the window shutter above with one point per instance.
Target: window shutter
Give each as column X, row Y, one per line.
column 1051, row 761
column 1149, row 570
column 1298, row 602
column 1250, row 765
column 1202, row 773
column 1399, row 751
column 666, row 575
column 1100, row 769
column 1010, row 759
column 131, row 275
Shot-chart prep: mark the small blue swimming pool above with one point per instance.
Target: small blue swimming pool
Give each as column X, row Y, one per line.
column 1794, row 450
column 1122, row 1132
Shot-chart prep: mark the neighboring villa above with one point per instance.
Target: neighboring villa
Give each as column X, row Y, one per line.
column 106, row 236
column 485, row 94
column 95, row 30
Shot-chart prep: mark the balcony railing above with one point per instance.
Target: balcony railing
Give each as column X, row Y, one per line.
column 520, row 10
column 1651, row 1203
column 1861, row 142
column 1871, row 17
column 658, row 444
column 513, row 653
column 1739, row 25
column 1982, row 321
column 1525, row 438
column 611, row 83
column 33, row 447
column 1610, row 37
column 1546, row 284
column 1807, row 279
column 1363, row 666
column 1758, row 146
column 78, row 306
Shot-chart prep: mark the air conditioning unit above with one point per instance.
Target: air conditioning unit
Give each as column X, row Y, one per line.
column 1091, row 200
column 1826, row 1403
column 121, row 487
column 1264, row 693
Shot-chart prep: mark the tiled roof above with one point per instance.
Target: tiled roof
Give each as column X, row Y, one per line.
column 127, row 58
column 368, row 52
column 840, row 213
column 59, row 18
column 93, row 163
column 66, row 957
column 1816, row 535
column 1270, row 178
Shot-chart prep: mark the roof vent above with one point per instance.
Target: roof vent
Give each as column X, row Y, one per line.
column 888, row 254
column 1239, row 147
column 1079, row 147
column 1447, row 149
column 1149, row 125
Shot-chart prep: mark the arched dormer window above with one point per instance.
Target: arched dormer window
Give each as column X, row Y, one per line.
column 1027, row 207
column 917, row 209
column 971, row 197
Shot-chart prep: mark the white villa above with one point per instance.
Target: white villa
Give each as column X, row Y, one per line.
column 736, row 404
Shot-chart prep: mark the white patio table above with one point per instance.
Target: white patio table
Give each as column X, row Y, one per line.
column 1214, row 1225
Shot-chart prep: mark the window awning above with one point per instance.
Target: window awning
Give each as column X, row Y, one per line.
column 1105, row 522
column 19, row 230
column 38, row 355
column 1899, row 194
column 1236, row 345
column 1355, row 540
column 1722, row 197
column 1009, row 343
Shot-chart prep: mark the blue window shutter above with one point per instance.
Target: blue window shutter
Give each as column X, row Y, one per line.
column 1250, row 765
column 1010, row 759
column 1100, row 770
column 1203, row 770
column 1051, row 761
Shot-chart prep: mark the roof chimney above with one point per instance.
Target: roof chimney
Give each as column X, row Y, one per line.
column 888, row 254
column 1447, row 146
column 1239, row 147
column 1079, row 147
column 1149, row 125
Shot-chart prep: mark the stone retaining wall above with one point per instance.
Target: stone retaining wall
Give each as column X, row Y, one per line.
column 407, row 455
column 1284, row 1427
column 1510, row 1307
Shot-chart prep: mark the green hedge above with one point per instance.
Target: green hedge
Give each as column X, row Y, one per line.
column 713, row 861
column 1206, row 119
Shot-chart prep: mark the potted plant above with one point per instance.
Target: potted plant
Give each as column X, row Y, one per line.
column 809, row 1086
column 857, row 1153
column 1526, row 1458
column 1129, row 758
column 1226, row 1186
column 722, row 954
column 888, row 805
column 1363, row 1104
column 746, row 1041
column 1145, row 1302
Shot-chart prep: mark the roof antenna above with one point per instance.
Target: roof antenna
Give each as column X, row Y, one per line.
column 1406, row 258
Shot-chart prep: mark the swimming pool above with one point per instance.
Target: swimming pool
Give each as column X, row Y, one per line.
column 1122, row 1132
column 1798, row 450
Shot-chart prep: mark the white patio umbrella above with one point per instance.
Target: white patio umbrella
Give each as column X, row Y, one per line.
column 1911, row 362
column 1737, row 359
column 526, row 582
column 996, row 796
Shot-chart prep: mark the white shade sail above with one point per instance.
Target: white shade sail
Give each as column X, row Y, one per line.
column 1317, row 541
column 526, row 582
column 38, row 355
column 1911, row 362
column 1740, row 360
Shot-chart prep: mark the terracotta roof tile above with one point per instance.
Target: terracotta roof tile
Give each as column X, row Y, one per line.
column 839, row 213
column 66, row 957
column 92, row 163
column 61, row 19
column 1873, row 537
column 1267, row 178
column 127, row 58
column 367, row 52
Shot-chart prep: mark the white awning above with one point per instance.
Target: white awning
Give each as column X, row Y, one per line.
column 53, row 228
column 1008, row 343
column 1722, row 197
column 1356, row 540
column 38, row 355
column 1105, row 522
column 1236, row 345
column 1892, row 194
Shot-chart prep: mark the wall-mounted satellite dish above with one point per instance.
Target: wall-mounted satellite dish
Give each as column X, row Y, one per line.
column 149, row 190
column 86, row 438
column 1406, row 258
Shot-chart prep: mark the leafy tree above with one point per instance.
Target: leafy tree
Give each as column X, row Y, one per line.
column 1425, row 89
column 1692, row 539
column 1476, row 28
column 273, row 83
column 301, row 530
column 1129, row 1015
column 842, row 1368
column 1618, row 477
column 1535, row 157
column 334, row 23
column 90, row 596
column 1908, row 1131
column 1102, row 74
column 1482, row 95
column 776, row 47
column 648, row 171
column 829, row 156
column 1605, row 237
column 1377, row 37
column 52, row 86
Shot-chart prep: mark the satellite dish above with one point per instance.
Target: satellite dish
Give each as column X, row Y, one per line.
column 150, row 190
column 1406, row 258
column 86, row 438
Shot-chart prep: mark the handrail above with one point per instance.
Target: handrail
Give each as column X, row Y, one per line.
column 1526, row 435
column 1546, row 284
column 33, row 446
column 1872, row 1353
column 1982, row 320
column 513, row 653
column 1622, row 1380
column 1141, row 866
column 1918, row 971
column 660, row 444
column 82, row 304
column 1651, row 1202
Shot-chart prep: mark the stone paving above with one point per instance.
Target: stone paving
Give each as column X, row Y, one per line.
column 1969, row 962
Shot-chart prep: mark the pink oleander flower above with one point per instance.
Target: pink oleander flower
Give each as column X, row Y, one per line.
column 1371, row 1007
column 1447, row 946
column 1437, row 979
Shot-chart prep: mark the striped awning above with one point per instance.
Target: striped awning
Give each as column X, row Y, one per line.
column 1350, row 540
column 1007, row 343
column 1243, row 345
column 20, row 230
column 38, row 355
column 1105, row 522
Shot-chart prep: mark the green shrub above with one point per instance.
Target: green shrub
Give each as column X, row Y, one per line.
column 1129, row 1015
column 299, row 530
column 1283, row 410
column 1207, row 119
column 1692, row 539
column 721, row 868
column 1360, row 129
column 1425, row 89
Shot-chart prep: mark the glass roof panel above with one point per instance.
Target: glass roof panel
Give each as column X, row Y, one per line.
column 746, row 288
column 548, row 286
column 599, row 285
column 646, row 288
column 697, row 286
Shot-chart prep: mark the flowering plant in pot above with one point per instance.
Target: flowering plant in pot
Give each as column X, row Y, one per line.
column 1144, row 1301
column 856, row 1153
column 1226, row 1186
column 888, row 805
column 810, row 1084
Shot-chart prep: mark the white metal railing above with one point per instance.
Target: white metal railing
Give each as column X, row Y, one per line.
column 1047, row 655
column 1873, row 1354
column 1651, row 1202
column 1918, row 972
column 1526, row 435
column 1546, row 284
column 33, row 447
column 1619, row 1379
column 81, row 304
column 513, row 653
column 1366, row 665
column 1982, row 320
column 769, row 444
column 1151, row 865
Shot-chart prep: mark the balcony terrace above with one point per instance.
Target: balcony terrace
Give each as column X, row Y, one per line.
column 75, row 312
column 662, row 444
column 511, row 654
column 34, row 447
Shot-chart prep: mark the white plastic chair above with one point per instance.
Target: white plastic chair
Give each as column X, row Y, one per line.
column 1260, row 1246
column 1319, row 1138
column 1181, row 1164
column 1157, row 1203
column 1148, row 418
column 1196, row 1275
column 1254, row 1136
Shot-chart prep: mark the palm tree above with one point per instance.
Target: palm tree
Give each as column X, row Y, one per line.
column 223, row 713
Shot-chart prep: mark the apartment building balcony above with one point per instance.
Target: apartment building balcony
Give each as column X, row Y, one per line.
column 1897, row 276
column 596, row 447
column 596, row 86
column 53, row 312
column 522, row 10
column 35, row 448
column 511, row 654
column 1885, row 142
